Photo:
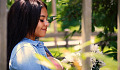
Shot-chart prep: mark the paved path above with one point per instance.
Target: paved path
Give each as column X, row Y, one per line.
column 62, row 43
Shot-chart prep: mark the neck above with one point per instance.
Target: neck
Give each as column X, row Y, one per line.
column 32, row 37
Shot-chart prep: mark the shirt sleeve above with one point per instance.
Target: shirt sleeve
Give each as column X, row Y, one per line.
column 25, row 60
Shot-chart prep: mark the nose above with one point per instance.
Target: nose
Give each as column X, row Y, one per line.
column 47, row 23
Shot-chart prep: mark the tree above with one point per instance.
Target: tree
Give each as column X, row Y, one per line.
column 104, row 14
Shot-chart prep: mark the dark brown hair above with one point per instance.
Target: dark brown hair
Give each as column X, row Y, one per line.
column 22, row 18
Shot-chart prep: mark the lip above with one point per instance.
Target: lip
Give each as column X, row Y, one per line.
column 44, row 29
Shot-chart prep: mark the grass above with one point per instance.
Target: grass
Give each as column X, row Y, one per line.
column 59, row 52
column 59, row 38
column 51, row 39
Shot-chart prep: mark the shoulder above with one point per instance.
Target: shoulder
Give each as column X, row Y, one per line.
column 23, row 58
column 22, row 47
column 22, row 55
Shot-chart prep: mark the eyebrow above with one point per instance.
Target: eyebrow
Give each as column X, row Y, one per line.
column 42, row 16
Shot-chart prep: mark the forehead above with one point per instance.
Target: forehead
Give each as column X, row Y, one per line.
column 44, row 12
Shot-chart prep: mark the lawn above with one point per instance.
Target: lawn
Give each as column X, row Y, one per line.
column 59, row 52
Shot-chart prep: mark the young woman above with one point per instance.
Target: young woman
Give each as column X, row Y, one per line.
column 27, row 19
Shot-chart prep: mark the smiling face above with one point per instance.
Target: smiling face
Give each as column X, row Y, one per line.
column 42, row 25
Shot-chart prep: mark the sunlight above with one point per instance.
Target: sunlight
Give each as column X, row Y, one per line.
column 26, row 50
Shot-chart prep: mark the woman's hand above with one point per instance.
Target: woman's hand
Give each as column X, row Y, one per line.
column 56, row 63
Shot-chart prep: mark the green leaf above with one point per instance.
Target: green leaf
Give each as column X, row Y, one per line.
column 110, row 64
column 44, row 61
column 110, row 51
column 50, row 19
column 67, row 66
column 93, row 28
column 71, row 34
column 113, row 43
column 96, row 40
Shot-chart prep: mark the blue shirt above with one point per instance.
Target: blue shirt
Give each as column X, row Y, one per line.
column 22, row 56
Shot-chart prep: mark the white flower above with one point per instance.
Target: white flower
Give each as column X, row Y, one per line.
column 48, row 0
column 77, row 56
column 95, row 48
column 73, row 56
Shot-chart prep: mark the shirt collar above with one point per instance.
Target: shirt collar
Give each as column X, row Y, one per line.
column 35, row 43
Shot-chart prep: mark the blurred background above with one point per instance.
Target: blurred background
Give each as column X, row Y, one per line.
column 65, row 23
column 64, row 31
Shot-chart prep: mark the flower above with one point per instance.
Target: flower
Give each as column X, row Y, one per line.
column 73, row 57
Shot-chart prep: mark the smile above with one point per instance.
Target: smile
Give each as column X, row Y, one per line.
column 44, row 29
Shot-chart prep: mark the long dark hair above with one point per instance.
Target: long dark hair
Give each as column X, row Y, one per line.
column 22, row 18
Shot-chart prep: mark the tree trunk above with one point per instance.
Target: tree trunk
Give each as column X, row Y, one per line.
column 55, row 22
column 118, row 36
column 86, row 30
column 3, row 35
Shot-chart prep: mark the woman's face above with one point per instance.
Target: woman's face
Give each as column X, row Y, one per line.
column 42, row 25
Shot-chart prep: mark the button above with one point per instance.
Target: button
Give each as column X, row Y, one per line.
column 40, row 43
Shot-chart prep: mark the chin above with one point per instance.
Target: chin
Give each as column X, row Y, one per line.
column 42, row 36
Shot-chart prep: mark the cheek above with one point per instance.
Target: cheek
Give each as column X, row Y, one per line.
column 39, row 26
column 38, row 29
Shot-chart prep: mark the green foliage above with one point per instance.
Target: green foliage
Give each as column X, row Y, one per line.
column 104, row 14
column 110, row 40
column 49, row 7
column 51, row 18
column 9, row 3
column 44, row 61
column 70, row 35
column 71, row 14
column 110, row 64
column 56, row 53
column 112, row 53
column 87, row 44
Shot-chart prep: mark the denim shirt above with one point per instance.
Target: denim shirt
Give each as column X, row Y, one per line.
column 22, row 56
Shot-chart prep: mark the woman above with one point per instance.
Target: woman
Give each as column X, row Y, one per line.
column 27, row 19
